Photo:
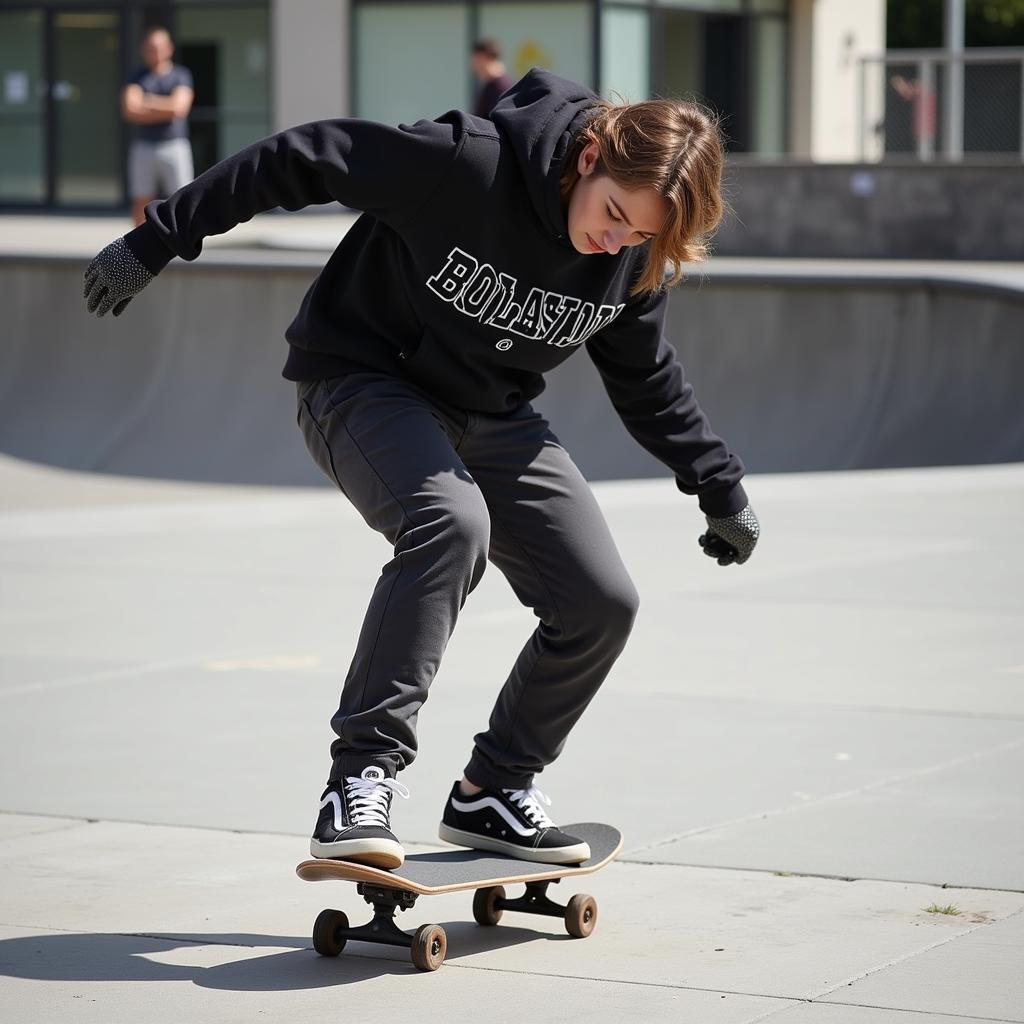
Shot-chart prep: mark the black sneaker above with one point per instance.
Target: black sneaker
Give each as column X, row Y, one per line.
column 509, row 821
column 354, row 822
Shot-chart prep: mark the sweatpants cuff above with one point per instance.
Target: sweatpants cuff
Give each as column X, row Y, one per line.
column 352, row 765
column 481, row 772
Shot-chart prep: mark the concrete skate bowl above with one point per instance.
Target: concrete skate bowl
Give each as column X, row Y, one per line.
column 797, row 373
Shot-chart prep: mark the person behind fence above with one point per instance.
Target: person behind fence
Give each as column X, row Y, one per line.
column 488, row 253
column 485, row 60
column 156, row 103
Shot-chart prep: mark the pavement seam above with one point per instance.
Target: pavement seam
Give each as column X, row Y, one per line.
column 625, row 858
column 931, row 1013
column 70, row 823
column 907, row 957
column 888, row 1009
column 631, row 983
column 782, row 872
column 93, row 820
column 917, row 773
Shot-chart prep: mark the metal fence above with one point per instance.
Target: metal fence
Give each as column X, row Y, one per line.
column 928, row 105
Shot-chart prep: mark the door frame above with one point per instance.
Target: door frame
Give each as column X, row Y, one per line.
column 49, row 12
column 743, row 20
column 52, row 142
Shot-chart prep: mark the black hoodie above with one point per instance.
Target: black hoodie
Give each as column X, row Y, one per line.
column 460, row 275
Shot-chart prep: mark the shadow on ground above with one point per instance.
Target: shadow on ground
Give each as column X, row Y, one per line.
column 292, row 966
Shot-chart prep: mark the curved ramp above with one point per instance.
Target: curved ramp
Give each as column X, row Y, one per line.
column 797, row 373
column 186, row 384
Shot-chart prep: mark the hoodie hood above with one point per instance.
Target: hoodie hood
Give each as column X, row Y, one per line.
column 539, row 117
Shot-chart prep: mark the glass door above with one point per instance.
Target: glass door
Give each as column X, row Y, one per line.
column 22, row 107
column 704, row 57
column 725, row 76
column 85, row 96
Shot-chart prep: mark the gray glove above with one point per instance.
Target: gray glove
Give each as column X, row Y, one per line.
column 732, row 539
column 113, row 278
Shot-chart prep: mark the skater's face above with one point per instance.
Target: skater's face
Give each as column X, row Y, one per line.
column 603, row 216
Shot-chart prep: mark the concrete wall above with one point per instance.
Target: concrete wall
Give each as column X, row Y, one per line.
column 310, row 60
column 876, row 211
column 827, row 38
column 796, row 375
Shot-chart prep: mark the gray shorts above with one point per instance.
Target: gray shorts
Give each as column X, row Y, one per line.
column 157, row 169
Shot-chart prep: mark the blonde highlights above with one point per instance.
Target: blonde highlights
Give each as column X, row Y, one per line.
column 674, row 147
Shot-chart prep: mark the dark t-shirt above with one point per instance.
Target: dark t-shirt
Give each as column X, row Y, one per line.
column 489, row 94
column 161, row 85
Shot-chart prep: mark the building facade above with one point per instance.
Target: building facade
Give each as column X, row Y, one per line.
column 780, row 73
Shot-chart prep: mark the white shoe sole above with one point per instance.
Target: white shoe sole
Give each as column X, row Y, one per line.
column 377, row 853
column 562, row 855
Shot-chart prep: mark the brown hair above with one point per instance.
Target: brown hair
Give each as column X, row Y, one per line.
column 488, row 46
column 674, row 147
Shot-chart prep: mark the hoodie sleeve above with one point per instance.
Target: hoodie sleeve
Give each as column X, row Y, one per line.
column 385, row 171
column 645, row 382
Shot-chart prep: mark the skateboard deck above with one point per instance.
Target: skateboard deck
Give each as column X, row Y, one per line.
column 445, row 871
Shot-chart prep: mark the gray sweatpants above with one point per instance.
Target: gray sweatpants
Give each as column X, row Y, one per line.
column 451, row 489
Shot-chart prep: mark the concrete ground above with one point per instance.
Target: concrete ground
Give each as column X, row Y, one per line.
column 810, row 757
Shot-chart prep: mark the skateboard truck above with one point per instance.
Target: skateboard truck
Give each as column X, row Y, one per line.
column 428, row 944
column 382, row 928
column 534, row 901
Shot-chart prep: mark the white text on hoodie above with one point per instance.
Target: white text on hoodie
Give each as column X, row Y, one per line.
column 479, row 291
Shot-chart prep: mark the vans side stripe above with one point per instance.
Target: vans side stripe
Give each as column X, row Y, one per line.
column 333, row 798
column 489, row 801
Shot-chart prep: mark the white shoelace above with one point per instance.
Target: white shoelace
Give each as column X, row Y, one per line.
column 529, row 802
column 369, row 799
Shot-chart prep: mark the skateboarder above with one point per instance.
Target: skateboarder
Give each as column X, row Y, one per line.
column 489, row 252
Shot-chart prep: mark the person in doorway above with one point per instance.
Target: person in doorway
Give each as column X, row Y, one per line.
column 485, row 59
column 488, row 252
column 156, row 102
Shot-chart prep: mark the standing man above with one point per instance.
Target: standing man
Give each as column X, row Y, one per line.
column 157, row 101
column 490, row 73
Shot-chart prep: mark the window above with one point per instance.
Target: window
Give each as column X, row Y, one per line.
column 22, row 108
column 557, row 36
column 411, row 60
column 226, row 49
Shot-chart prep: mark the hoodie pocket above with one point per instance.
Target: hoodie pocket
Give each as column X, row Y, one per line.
column 430, row 360
column 441, row 368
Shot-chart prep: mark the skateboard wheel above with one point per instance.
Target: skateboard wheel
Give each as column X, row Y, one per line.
column 327, row 938
column 485, row 909
column 581, row 916
column 429, row 946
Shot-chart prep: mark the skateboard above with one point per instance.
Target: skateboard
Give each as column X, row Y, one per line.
column 428, row 874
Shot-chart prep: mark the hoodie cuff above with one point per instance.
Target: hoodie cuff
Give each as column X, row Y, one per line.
column 148, row 249
column 723, row 502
